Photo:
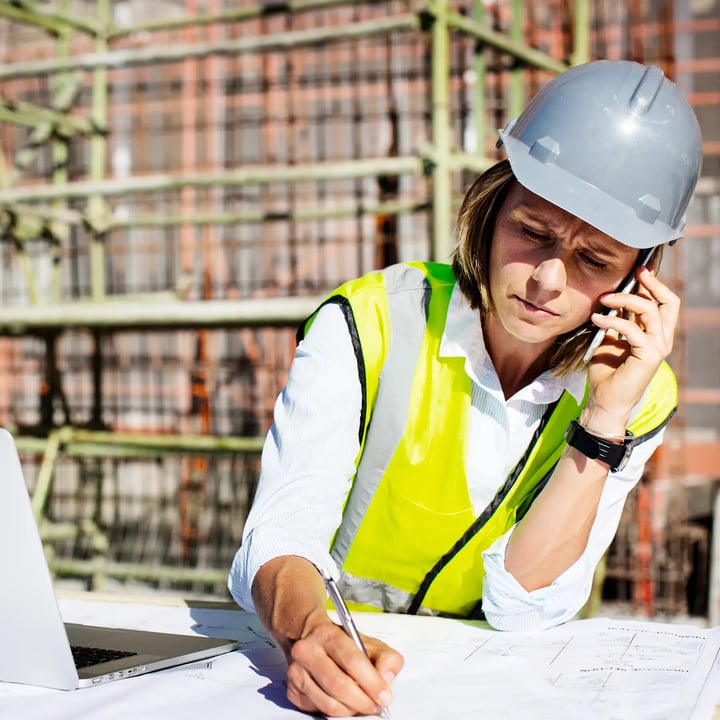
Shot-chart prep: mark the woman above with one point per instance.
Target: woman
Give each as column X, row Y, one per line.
column 441, row 446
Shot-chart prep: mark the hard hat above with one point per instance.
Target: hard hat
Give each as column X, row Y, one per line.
column 614, row 143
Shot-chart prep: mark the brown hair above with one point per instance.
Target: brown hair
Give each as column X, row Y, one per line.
column 471, row 259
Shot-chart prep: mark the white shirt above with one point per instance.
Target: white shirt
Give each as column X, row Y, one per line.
column 308, row 465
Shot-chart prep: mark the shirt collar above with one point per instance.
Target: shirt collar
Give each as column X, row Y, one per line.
column 463, row 337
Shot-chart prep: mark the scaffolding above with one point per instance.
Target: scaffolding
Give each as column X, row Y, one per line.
column 182, row 182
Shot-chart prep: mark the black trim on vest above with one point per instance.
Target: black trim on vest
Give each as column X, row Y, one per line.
column 486, row 514
column 344, row 304
column 527, row 502
column 480, row 521
column 655, row 431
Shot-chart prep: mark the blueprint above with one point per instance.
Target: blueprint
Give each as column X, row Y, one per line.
column 599, row 669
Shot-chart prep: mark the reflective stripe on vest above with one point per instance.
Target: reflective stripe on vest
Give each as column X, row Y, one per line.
column 391, row 404
column 409, row 537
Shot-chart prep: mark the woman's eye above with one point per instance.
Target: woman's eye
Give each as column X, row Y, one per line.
column 534, row 235
column 591, row 262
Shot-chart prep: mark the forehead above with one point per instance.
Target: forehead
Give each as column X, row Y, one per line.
column 522, row 200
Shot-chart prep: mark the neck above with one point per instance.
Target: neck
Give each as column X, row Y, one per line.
column 516, row 363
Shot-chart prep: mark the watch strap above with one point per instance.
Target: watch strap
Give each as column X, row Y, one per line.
column 613, row 453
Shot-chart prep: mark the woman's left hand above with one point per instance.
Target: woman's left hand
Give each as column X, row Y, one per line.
column 633, row 349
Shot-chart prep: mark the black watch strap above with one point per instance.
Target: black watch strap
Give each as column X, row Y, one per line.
column 614, row 453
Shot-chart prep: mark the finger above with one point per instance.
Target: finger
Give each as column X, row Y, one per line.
column 362, row 668
column 305, row 694
column 668, row 305
column 340, row 673
column 649, row 287
column 647, row 341
column 632, row 303
column 659, row 321
column 320, row 685
column 661, row 313
column 651, row 315
column 388, row 661
column 659, row 292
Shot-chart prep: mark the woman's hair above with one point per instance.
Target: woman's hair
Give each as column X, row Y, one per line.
column 471, row 259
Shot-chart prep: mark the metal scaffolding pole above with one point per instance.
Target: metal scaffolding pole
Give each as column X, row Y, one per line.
column 440, row 98
column 98, row 212
column 581, row 32
column 230, row 16
column 505, row 44
column 242, row 176
column 179, row 52
column 21, row 12
column 24, row 113
column 156, row 313
column 60, row 155
column 58, row 23
column 479, row 66
column 516, row 101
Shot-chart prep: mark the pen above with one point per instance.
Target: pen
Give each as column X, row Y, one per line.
column 629, row 286
column 347, row 621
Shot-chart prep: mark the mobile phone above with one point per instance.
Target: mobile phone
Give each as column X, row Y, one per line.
column 626, row 286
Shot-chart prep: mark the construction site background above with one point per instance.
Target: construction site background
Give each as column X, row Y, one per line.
column 182, row 181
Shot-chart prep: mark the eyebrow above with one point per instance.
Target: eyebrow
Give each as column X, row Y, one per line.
column 525, row 213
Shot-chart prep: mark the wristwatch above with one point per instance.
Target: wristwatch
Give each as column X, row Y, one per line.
column 615, row 453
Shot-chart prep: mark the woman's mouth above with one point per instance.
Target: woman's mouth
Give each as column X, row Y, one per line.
column 535, row 309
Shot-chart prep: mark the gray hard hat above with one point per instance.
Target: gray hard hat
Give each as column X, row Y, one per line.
column 614, row 143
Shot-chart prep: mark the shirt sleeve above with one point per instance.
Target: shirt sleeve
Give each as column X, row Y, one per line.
column 308, row 458
column 508, row 606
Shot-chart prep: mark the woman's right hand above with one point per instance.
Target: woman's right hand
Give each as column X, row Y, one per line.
column 327, row 672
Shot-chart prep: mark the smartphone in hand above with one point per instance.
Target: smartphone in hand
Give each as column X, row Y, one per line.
column 626, row 286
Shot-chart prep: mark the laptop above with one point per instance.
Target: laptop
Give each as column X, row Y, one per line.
column 36, row 646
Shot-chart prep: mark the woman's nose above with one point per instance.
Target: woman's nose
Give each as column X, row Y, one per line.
column 550, row 274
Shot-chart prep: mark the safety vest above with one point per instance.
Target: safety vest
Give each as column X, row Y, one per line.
column 410, row 540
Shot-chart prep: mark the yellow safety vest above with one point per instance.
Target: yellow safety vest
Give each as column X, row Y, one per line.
column 410, row 540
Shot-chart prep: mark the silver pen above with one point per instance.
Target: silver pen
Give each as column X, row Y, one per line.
column 629, row 286
column 347, row 621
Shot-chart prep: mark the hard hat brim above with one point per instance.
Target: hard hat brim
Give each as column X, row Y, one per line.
column 583, row 199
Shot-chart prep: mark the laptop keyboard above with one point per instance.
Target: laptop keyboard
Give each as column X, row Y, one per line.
column 85, row 656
